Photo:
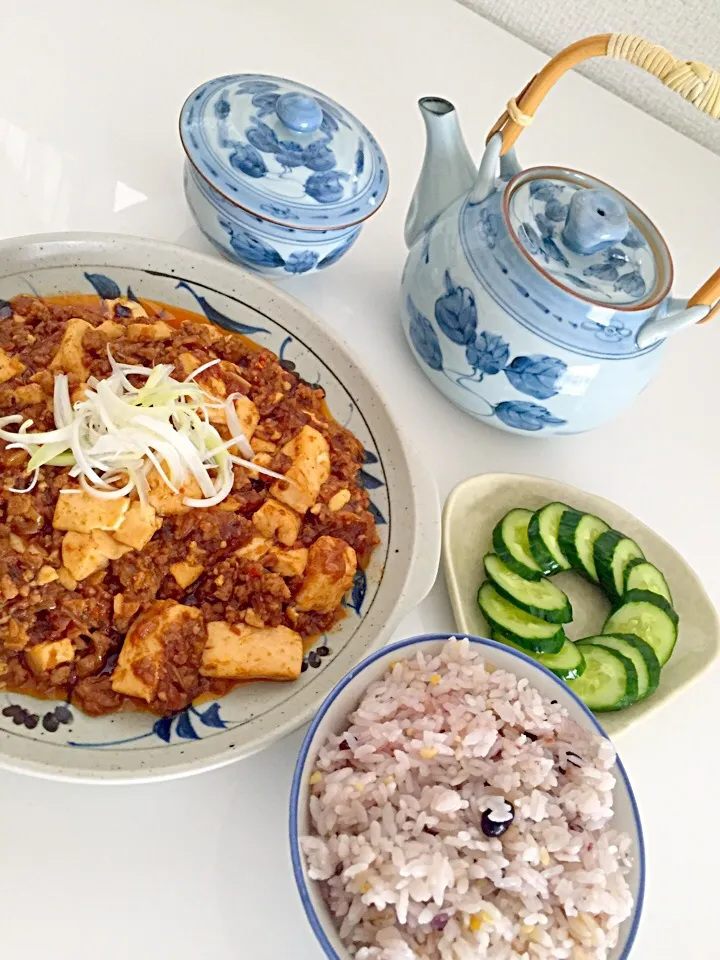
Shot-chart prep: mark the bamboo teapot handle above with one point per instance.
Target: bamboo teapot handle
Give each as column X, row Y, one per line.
column 694, row 81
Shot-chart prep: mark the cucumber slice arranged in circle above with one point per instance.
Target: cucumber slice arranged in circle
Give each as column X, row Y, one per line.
column 647, row 596
column 526, row 611
column 510, row 542
column 541, row 598
column 613, row 551
column 577, row 535
column 610, row 680
column 641, row 575
column 642, row 655
column 567, row 664
column 543, row 532
column 531, row 633
column 647, row 620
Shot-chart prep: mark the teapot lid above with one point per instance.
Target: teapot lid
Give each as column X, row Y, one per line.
column 588, row 238
column 283, row 151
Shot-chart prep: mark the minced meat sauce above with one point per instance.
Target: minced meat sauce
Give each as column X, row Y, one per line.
column 41, row 603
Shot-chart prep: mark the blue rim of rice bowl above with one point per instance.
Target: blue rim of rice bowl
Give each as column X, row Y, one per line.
column 296, row 856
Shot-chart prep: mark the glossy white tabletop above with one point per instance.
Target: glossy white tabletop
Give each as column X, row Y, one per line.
column 91, row 91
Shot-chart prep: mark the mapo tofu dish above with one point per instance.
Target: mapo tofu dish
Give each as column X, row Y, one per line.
column 179, row 511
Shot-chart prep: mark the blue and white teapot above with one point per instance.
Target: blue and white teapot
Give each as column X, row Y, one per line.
column 539, row 300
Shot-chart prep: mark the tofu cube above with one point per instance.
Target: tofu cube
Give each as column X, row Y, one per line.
column 70, row 357
column 27, row 394
column 253, row 619
column 243, row 652
column 310, row 469
column 263, row 446
column 289, row 563
column 43, row 657
column 217, row 390
column 257, row 548
column 339, row 500
column 248, row 415
column 328, row 575
column 143, row 660
column 147, row 332
column 185, row 364
column 108, row 545
column 9, row 367
column 81, row 556
column 274, row 519
column 84, row 513
column 164, row 500
column 138, row 525
column 46, row 574
column 110, row 329
column 185, row 573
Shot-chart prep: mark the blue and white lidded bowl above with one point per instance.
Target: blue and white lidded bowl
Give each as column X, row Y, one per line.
column 278, row 177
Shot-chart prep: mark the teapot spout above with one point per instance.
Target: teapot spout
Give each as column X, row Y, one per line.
column 678, row 316
column 447, row 172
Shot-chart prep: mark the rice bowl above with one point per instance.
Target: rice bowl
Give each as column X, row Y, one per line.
column 463, row 812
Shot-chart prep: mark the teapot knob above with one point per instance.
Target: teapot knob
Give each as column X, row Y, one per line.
column 596, row 219
column 299, row 113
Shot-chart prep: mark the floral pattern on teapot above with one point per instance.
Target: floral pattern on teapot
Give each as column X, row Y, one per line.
column 488, row 354
column 507, row 344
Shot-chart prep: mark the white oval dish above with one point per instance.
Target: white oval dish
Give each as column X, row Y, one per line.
column 475, row 506
column 331, row 719
column 139, row 747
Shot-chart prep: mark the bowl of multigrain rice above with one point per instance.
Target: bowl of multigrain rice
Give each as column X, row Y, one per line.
column 454, row 799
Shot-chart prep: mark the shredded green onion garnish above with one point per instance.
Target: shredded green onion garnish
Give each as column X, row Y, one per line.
column 119, row 432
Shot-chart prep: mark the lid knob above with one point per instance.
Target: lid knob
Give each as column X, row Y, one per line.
column 299, row 113
column 596, row 219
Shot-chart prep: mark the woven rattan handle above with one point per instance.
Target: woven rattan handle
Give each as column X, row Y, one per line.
column 695, row 82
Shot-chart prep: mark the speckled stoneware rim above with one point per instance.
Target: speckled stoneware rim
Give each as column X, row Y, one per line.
column 351, row 691
column 262, row 713
column 475, row 505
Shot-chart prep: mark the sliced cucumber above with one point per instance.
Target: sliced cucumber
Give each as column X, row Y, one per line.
column 522, row 628
column 641, row 575
column 648, row 621
column 577, row 535
column 642, row 655
column 610, row 680
column 642, row 596
column 510, row 542
column 541, row 598
column 568, row 664
column 613, row 551
column 543, row 536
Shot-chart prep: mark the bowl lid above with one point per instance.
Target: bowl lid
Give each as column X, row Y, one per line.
column 283, row 151
column 588, row 238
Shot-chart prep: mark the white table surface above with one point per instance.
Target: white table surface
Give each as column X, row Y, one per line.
column 91, row 91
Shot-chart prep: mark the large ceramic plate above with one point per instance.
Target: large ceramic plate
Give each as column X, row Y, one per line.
column 475, row 506
column 34, row 735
